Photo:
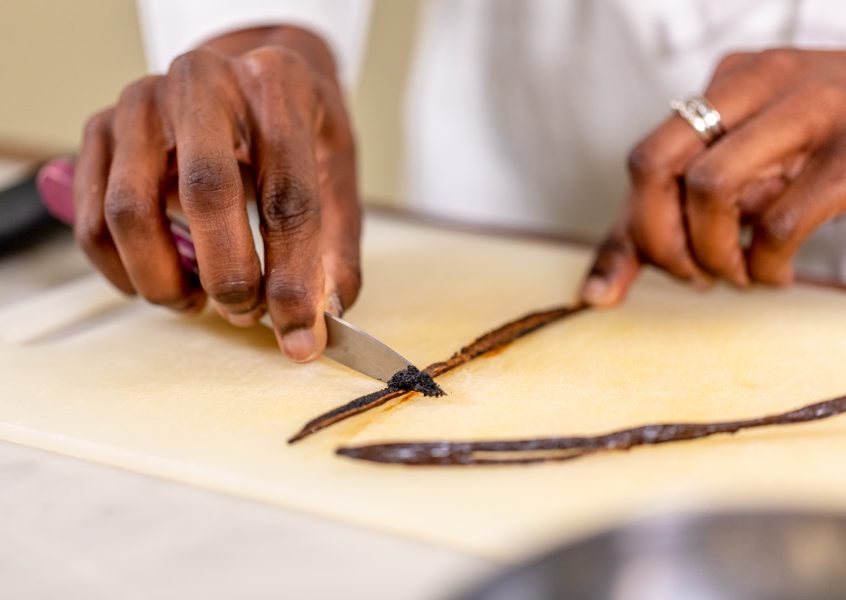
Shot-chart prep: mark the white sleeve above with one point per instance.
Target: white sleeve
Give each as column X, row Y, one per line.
column 171, row 27
column 820, row 24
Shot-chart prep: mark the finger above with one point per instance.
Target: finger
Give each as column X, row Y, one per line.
column 659, row 233
column 340, row 210
column 134, row 203
column 657, row 163
column 90, row 178
column 732, row 62
column 615, row 267
column 657, row 224
column 204, row 114
column 283, row 104
column 715, row 180
column 756, row 195
column 815, row 197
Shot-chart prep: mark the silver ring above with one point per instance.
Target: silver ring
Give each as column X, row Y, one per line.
column 701, row 115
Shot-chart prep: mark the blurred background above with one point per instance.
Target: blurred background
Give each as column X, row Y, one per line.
column 63, row 61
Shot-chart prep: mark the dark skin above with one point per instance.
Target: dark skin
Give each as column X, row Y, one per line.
column 260, row 108
column 263, row 108
column 778, row 171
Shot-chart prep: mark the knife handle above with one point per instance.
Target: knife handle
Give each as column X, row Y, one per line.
column 55, row 186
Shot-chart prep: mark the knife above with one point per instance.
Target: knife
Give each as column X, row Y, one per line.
column 358, row 350
column 346, row 343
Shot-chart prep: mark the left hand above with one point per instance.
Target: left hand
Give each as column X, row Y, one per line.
column 780, row 169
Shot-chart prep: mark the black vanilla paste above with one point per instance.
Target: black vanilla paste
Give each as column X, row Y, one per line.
column 412, row 379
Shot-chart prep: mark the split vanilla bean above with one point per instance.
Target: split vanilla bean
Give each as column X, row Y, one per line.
column 400, row 386
column 509, row 452
column 569, row 448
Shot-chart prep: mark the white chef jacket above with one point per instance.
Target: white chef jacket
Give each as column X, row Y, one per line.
column 521, row 112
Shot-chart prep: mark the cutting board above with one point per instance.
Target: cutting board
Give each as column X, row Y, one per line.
column 198, row 401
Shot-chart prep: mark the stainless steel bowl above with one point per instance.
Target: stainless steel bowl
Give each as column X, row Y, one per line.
column 737, row 556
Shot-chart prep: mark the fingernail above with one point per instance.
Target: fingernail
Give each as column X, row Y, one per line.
column 300, row 345
column 701, row 283
column 334, row 306
column 217, row 308
column 193, row 304
column 595, row 291
column 742, row 280
column 198, row 303
column 247, row 319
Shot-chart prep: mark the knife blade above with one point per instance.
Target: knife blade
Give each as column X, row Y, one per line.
column 346, row 343
column 354, row 348
column 360, row 351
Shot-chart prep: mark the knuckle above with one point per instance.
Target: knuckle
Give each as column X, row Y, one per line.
column 288, row 206
column 138, row 92
column 776, row 228
column 294, row 301
column 124, row 209
column 235, row 289
column 731, row 60
column 90, row 234
column 705, row 182
column 207, row 175
column 777, row 58
column 97, row 125
column 190, row 64
column 274, row 71
column 262, row 61
column 644, row 162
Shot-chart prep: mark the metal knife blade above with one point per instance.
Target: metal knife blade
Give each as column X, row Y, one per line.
column 358, row 350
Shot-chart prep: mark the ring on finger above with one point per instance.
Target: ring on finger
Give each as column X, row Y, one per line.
column 701, row 116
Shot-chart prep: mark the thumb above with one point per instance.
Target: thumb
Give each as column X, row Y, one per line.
column 614, row 269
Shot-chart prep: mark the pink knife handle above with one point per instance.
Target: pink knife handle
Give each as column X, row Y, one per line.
column 55, row 185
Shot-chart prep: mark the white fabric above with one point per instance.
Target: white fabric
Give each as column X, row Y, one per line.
column 521, row 112
column 171, row 27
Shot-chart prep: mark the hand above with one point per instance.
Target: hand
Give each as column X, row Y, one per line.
column 778, row 171
column 264, row 101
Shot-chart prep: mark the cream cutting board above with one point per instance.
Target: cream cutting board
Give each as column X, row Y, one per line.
column 198, row 401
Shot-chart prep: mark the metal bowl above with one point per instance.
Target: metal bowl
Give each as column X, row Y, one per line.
column 737, row 556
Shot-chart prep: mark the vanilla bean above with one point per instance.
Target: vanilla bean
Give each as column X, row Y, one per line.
column 493, row 340
column 569, row 448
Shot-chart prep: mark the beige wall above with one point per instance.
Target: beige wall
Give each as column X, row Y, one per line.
column 378, row 101
column 61, row 60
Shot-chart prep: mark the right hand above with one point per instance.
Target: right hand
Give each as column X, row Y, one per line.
column 267, row 101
